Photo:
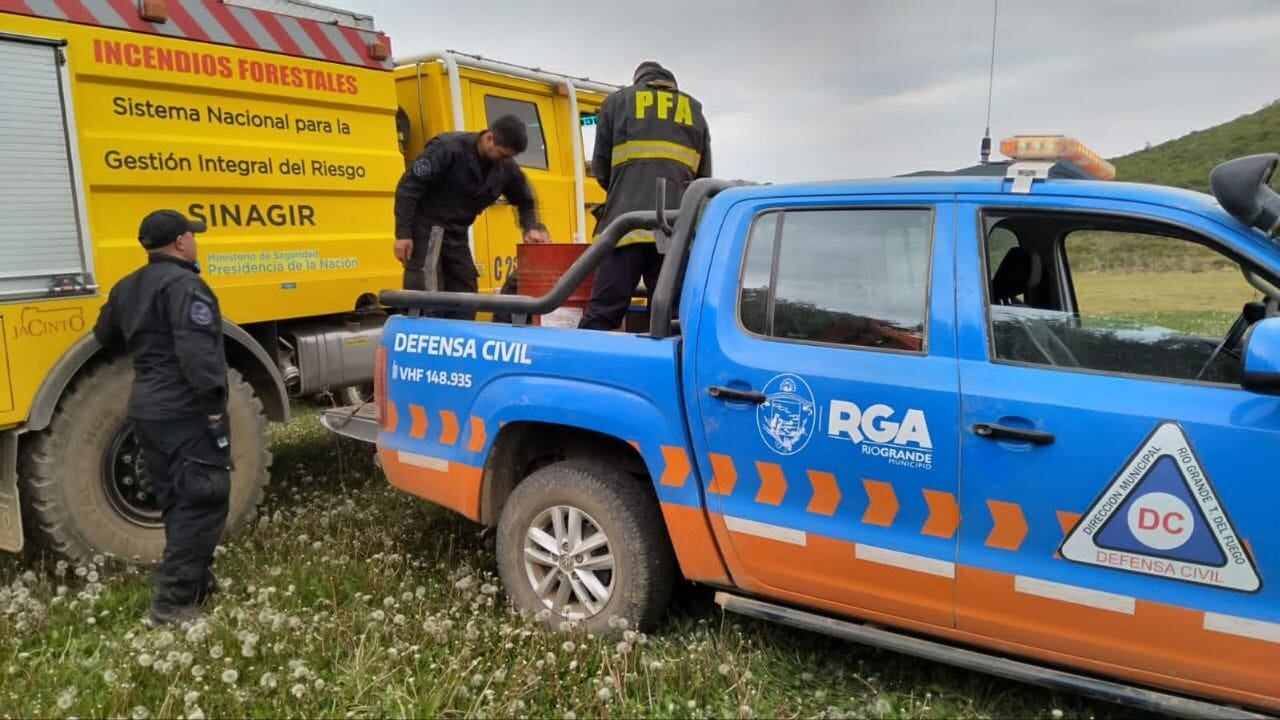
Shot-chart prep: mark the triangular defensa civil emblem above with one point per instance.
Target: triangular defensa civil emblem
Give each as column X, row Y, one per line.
column 1161, row 516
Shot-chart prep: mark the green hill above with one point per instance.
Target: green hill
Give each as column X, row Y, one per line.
column 1186, row 161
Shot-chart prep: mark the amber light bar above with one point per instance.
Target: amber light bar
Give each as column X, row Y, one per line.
column 1058, row 148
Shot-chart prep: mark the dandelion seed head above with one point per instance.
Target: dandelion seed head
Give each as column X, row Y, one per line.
column 92, row 576
column 66, row 698
column 604, row 694
column 109, row 676
column 1056, row 714
column 216, row 652
column 190, row 698
column 197, row 671
column 573, row 664
column 318, row 684
column 298, row 690
column 655, row 665
column 140, row 713
column 724, row 669
column 622, row 648
column 230, row 676
column 195, row 713
column 146, row 660
column 568, row 646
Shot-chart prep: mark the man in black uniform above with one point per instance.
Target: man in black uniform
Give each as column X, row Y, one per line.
column 647, row 131
column 455, row 177
column 167, row 318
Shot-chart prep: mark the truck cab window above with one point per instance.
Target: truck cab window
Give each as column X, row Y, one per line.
column 842, row 277
column 1132, row 300
column 535, row 156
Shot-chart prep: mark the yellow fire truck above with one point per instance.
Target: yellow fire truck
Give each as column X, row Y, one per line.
column 284, row 126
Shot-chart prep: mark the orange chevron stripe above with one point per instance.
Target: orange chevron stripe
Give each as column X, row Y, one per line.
column 773, row 484
column 448, row 427
column 882, row 503
column 1067, row 520
column 676, row 470
column 418, row 425
column 475, row 443
column 1008, row 527
column 826, row 493
column 944, row 514
column 723, row 474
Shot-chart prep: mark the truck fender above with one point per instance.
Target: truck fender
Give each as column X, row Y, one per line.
column 633, row 419
column 243, row 352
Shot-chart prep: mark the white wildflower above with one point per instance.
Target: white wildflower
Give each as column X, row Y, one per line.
column 195, row 713
column 655, row 666
column 318, row 684
column 197, row 671
column 190, row 698
column 267, row 681
column 604, row 694
column 724, row 669
column 377, row 616
column 230, row 676
column 488, row 589
column 66, row 698
column 109, row 676
column 1056, row 714
column 140, row 713
column 216, row 652
column 298, row 690
column 145, row 660
column 568, row 646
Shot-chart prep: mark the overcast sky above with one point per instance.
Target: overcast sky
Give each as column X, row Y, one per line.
column 810, row 89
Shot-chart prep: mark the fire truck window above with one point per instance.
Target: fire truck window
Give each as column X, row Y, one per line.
column 535, row 156
column 842, row 277
column 587, row 122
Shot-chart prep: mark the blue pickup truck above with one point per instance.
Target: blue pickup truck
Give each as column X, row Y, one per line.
column 1024, row 423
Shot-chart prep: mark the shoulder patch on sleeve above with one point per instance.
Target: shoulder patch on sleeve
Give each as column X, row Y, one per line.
column 201, row 313
column 422, row 167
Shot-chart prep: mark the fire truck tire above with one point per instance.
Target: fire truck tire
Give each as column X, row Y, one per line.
column 83, row 484
column 620, row 559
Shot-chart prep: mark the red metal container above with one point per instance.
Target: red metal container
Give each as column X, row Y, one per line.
column 542, row 264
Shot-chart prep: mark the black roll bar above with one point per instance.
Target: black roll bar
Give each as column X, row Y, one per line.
column 664, row 295
column 523, row 304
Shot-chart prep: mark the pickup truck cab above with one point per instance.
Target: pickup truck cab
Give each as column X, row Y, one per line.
column 1003, row 413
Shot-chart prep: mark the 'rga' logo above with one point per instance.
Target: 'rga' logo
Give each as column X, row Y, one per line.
column 788, row 415
column 875, row 430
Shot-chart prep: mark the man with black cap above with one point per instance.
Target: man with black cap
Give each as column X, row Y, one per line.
column 167, row 319
column 647, row 131
column 455, row 177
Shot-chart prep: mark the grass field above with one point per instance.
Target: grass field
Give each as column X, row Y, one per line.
column 348, row 599
column 1202, row 302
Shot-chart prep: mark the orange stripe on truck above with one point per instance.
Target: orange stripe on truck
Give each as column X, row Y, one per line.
column 773, row 483
column 444, row 482
column 882, row 503
column 475, row 441
column 1008, row 526
column 826, row 493
column 723, row 474
column 944, row 514
column 695, row 548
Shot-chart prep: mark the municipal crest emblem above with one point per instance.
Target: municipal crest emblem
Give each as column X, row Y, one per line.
column 788, row 415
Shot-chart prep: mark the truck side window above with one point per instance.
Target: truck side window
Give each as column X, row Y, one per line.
column 534, row 156
column 841, row 277
column 1145, row 303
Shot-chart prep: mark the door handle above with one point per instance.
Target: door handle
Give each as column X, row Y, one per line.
column 996, row 431
column 725, row 393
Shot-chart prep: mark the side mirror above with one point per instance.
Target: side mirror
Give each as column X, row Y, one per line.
column 1241, row 188
column 1262, row 357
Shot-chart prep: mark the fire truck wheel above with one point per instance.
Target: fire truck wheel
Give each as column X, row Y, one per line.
column 584, row 542
column 86, row 490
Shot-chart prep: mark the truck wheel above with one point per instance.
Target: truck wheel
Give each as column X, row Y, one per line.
column 587, row 543
column 86, row 489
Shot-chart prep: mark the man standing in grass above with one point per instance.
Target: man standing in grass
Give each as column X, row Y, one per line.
column 167, row 319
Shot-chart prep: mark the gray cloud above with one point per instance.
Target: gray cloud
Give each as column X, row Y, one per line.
column 813, row 89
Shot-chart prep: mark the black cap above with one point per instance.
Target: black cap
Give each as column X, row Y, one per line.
column 162, row 227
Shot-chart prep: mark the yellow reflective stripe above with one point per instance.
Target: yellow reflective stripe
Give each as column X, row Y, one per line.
column 656, row 150
column 635, row 236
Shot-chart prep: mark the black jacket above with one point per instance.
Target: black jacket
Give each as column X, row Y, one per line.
column 449, row 184
column 644, row 132
column 168, row 319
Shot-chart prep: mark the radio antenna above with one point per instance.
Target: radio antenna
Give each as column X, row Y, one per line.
column 985, row 150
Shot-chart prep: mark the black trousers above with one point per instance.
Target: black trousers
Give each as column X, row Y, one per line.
column 616, row 281
column 456, row 272
column 191, row 477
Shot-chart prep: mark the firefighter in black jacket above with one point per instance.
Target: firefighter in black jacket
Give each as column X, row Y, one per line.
column 167, row 318
column 647, row 131
column 455, row 177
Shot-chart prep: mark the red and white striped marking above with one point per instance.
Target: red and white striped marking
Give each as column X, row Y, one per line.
column 215, row 22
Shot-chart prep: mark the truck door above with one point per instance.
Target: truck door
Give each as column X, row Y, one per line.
column 496, row 232
column 1118, row 487
column 826, row 402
